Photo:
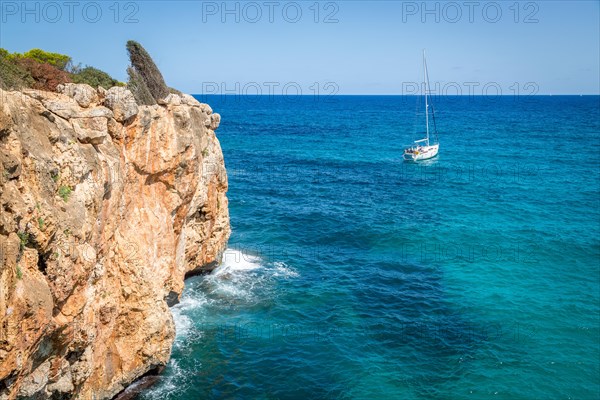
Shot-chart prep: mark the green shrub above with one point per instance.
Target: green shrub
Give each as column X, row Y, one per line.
column 94, row 77
column 41, row 222
column 57, row 60
column 64, row 192
column 144, row 66
column 23, row 240
column 45, row 70
column 19, row 272
column 12, row 75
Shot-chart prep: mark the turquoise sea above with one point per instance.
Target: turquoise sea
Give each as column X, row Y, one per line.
column 351, row 274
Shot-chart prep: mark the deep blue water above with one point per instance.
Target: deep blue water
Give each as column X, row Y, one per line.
column 354, row 275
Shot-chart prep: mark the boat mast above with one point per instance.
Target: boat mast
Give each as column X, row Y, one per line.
column 425, row 81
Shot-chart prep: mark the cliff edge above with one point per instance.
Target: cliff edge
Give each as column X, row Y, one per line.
column 105, row 206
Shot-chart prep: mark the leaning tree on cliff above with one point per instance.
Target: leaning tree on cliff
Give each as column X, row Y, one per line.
column 144, row 76
column 138, row 88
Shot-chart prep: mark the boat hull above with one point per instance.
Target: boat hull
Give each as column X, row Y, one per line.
column 422, row 153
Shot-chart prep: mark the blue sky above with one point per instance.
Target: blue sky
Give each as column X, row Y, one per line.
column 348, row 47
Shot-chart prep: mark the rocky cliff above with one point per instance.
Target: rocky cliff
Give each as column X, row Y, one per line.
column 105, row 206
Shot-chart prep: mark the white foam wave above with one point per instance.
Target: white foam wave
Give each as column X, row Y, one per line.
column 190, row 303
column 193, row 301
column 241, row 276
column 282, row 270
column 172, row 382
column 236, row 277
column 235, row 260
column 183, row 323
column 239, row 279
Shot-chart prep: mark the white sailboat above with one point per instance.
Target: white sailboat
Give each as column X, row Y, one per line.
column 424, row 149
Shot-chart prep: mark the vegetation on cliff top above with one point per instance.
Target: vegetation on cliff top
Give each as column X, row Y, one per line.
column 13, row 75
column 39, row 69
column 95, row 77
column 60, row 61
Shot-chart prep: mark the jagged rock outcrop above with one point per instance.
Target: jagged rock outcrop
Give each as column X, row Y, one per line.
column 105, row 206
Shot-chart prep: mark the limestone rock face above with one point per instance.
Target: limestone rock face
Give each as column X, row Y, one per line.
column 83, row 94
column 172, row 98
column 105, row 206
column 121, row 102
